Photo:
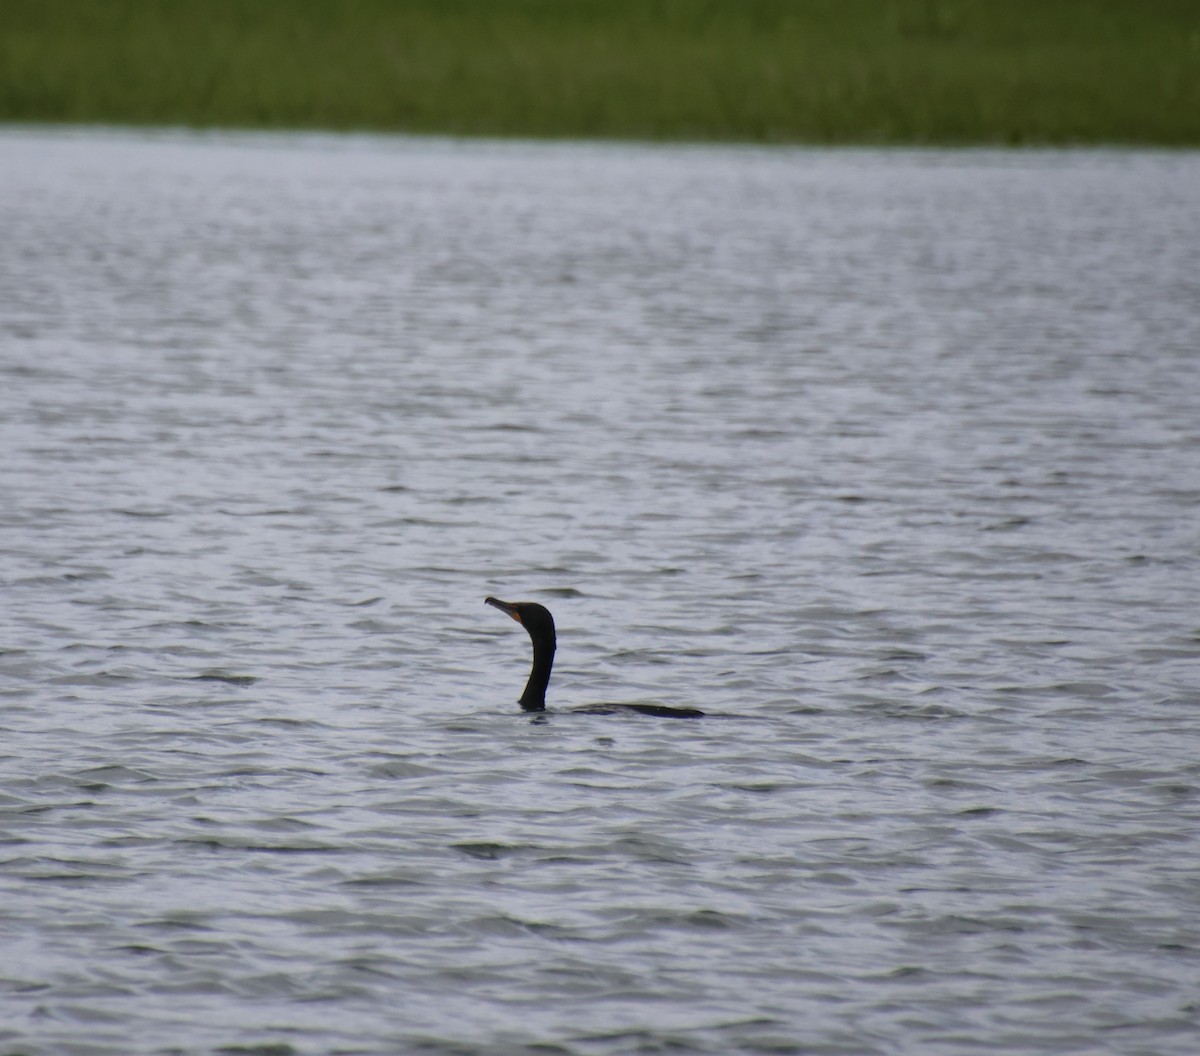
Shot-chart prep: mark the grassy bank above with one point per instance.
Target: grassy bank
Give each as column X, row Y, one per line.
column 867, row 71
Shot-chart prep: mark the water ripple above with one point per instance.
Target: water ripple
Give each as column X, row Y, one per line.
column 891, row 457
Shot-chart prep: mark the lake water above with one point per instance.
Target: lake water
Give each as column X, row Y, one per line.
column 895, row 456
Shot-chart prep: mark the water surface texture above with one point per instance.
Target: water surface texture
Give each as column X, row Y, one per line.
column 894, row 456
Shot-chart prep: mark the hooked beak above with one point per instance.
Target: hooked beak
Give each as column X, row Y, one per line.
column 504, row 607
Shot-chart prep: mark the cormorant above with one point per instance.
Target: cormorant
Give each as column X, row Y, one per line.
column 536, row 619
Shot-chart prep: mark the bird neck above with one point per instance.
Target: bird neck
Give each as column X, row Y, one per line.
column 534, row 697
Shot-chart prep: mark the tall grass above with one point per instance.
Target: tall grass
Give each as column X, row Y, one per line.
column 876, row 71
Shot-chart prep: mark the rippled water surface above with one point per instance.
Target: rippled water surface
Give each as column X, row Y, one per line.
column 893, row 456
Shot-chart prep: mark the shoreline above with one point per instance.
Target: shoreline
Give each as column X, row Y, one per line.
column 938, row 73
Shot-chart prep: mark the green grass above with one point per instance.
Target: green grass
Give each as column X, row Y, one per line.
column 831, row 71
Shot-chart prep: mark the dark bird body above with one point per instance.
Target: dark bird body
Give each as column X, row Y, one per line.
column 536, row 619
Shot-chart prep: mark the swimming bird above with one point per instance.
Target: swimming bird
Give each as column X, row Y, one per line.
column 536, row 619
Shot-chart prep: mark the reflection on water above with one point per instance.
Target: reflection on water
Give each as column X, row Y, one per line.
column 893, row 453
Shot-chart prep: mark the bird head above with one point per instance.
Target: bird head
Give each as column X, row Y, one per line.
column 535, row 618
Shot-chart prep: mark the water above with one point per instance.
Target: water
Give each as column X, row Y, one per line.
column 894, row 455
